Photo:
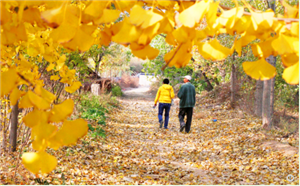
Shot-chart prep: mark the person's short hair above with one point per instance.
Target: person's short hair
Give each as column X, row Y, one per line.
column 166, row 81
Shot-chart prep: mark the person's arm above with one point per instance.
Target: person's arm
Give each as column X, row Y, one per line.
column 172, row 93
column 157, row 97
column 180, row 93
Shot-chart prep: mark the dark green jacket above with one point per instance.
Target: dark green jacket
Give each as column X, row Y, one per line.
column 187, row 95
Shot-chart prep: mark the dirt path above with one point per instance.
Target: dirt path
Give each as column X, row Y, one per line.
column 232, row 150
column 167, row 150
column 228, row 151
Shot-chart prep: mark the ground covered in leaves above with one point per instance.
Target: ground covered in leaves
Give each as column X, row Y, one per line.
column 135, row 151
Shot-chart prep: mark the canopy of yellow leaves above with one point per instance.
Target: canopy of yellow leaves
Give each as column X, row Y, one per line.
column 41, row 28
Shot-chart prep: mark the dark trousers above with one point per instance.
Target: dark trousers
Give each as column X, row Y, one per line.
column 189, row 113
column 161, row 108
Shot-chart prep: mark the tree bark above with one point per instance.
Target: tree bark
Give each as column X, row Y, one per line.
column 232, row 88
column 97, row 64
column 209, row 86
column 268, row 98
column 259, row 98
column 272, row 95
column 13, row 128
column 269, row 85
column 297, row 98
column 266, row 111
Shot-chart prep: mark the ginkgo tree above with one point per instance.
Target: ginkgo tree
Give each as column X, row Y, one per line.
column 41, row 29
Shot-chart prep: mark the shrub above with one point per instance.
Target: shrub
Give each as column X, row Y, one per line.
column 93, row 108
column 129, row 81
column 116, row 91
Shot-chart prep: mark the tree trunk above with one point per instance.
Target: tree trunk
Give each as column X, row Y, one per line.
column 13, row 128
column 268, row 98
column 272, row 95
column 297, row 98
column 266, row 111
column 2, row 126
column 259, row 98
column 233, row 82
column 97, row 64
column 209, row 86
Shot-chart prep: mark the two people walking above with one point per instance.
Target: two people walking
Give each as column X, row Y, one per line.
column 186, row 94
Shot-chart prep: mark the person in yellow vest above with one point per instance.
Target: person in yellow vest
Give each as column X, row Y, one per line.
column 164, row 96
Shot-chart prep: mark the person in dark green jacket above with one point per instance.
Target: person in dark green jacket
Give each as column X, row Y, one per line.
column 187, row 96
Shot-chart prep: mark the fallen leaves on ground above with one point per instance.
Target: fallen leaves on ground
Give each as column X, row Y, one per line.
column 136, row 151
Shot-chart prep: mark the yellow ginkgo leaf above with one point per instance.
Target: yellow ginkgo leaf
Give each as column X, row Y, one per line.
column 60, row 62
column 39, row 161
column 81, row 41
column 263, row 20
column 25, row 102
column 241, row 25
column 64, row 33
column 290, row 11
column 105, row 39
column 127, row 34
column 54, row 77
column 290, row 59
column 146, row 53
column 259, row 70
column 213, row 50
column 38, row 101
column 264, row 49
column 295, row 29
column 284, row 44
column 45, row 94
column 108, row 16
column 15, row 95
column 61, row 111
column 211, row 15
column 93, row 11
column 75, row 85
column 35, row 117
column 200, row 35
column 136, row 46
column 40, row 134
column 5, row 16
column 8, row 81
column 180, row 56
column 181, row 34
column 192, row 15
column 291, row 74
column 126, row 4
column 33, row 15
column 228, row 18
column 67, row 135
column 55, row 17
column 88, row 29
column 50, row 58
column 143, row 18
column 166, row 25
column 148, row 34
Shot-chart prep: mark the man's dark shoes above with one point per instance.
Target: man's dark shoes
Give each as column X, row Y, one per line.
column 182, row 127
column 160, row 124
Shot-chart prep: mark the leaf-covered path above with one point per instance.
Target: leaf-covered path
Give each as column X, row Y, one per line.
column 228, row 151
column 233, row 150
